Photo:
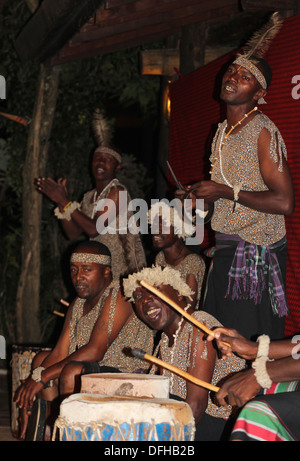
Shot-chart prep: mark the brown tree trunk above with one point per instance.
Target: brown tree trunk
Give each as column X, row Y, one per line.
column 27, row 303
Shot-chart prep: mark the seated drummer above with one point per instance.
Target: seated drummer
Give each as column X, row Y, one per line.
column 183, row 345
column 97, row 325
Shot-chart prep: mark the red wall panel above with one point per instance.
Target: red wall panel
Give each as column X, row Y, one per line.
column 195, row 112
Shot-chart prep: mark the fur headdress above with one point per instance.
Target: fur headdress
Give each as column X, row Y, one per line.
column 255, row 50
column 156, row 275
column 171, row 217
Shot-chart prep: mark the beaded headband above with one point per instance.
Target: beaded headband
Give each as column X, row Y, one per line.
column 241, row 61
column 90, row 258
column 108, row 150
column 253, row 69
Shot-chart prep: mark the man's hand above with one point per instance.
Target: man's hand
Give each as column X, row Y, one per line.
column 26, row 392
column 238, row 389
column 238, row 344
column 55, row 191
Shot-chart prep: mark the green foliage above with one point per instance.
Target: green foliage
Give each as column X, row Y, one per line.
column 84, row 86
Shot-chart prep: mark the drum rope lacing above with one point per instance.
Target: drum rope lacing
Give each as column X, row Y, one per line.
column 69, row 433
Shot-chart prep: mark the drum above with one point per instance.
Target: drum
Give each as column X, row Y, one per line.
column 21, row 361
column 126, row 384
column 91, row 417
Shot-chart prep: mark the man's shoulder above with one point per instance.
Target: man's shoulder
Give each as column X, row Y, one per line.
column 265, row 120
column 195, row 257
column 113, row 291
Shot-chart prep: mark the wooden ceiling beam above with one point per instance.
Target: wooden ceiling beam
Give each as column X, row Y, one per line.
column 270, row 5
column 53, row 31
column 149, row 8
column 152, row 25
column 169, row 11
column 52, row 25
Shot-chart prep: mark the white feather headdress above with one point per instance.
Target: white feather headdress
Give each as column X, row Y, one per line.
column 101, row 129
column 103, row 135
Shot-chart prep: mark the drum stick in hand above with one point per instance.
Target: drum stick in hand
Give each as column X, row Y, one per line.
column 144, row 356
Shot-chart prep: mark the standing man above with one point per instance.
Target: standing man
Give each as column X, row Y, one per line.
column 252, row 191
column 99, row 324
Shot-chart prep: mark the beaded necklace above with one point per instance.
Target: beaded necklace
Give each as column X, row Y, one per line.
column 77, row 337
column 222, row 141
column 97, row 198
column 173, row 348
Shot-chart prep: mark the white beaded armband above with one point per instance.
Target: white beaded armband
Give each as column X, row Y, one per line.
column 37, row 374
column 259, row 365
column 68, row 211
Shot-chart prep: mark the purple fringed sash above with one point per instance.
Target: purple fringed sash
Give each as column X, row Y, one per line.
column 254, row 269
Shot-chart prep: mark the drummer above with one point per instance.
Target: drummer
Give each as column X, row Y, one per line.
column 169, row 233
column 184, row 346
column 98, row 324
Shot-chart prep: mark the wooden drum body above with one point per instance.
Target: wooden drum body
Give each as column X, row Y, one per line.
column 21, row 361
column 126, row 384
column 92, row 417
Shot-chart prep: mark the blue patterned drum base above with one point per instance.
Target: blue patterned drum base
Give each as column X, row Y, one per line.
column 91, row 417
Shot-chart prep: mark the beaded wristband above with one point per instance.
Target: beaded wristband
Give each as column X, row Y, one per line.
column 67, row 211
column 37, row 374
column 259, row 365
column 66, row 206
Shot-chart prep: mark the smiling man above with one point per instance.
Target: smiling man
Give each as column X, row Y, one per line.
column 169, row 242
column 99, row 324
column 126, row 248
column 183, row 345
column 252, row 190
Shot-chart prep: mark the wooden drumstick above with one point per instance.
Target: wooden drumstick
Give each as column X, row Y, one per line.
column 65, row 303
column 60, row 314
column 144, row 356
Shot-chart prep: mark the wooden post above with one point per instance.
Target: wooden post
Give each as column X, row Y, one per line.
column 192, row 47
column 27, row 302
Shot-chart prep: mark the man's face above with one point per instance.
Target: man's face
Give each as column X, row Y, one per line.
column 104, row 166
column 154, row 311
column 239, row 86
column 163, row 235
column 88, row 279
